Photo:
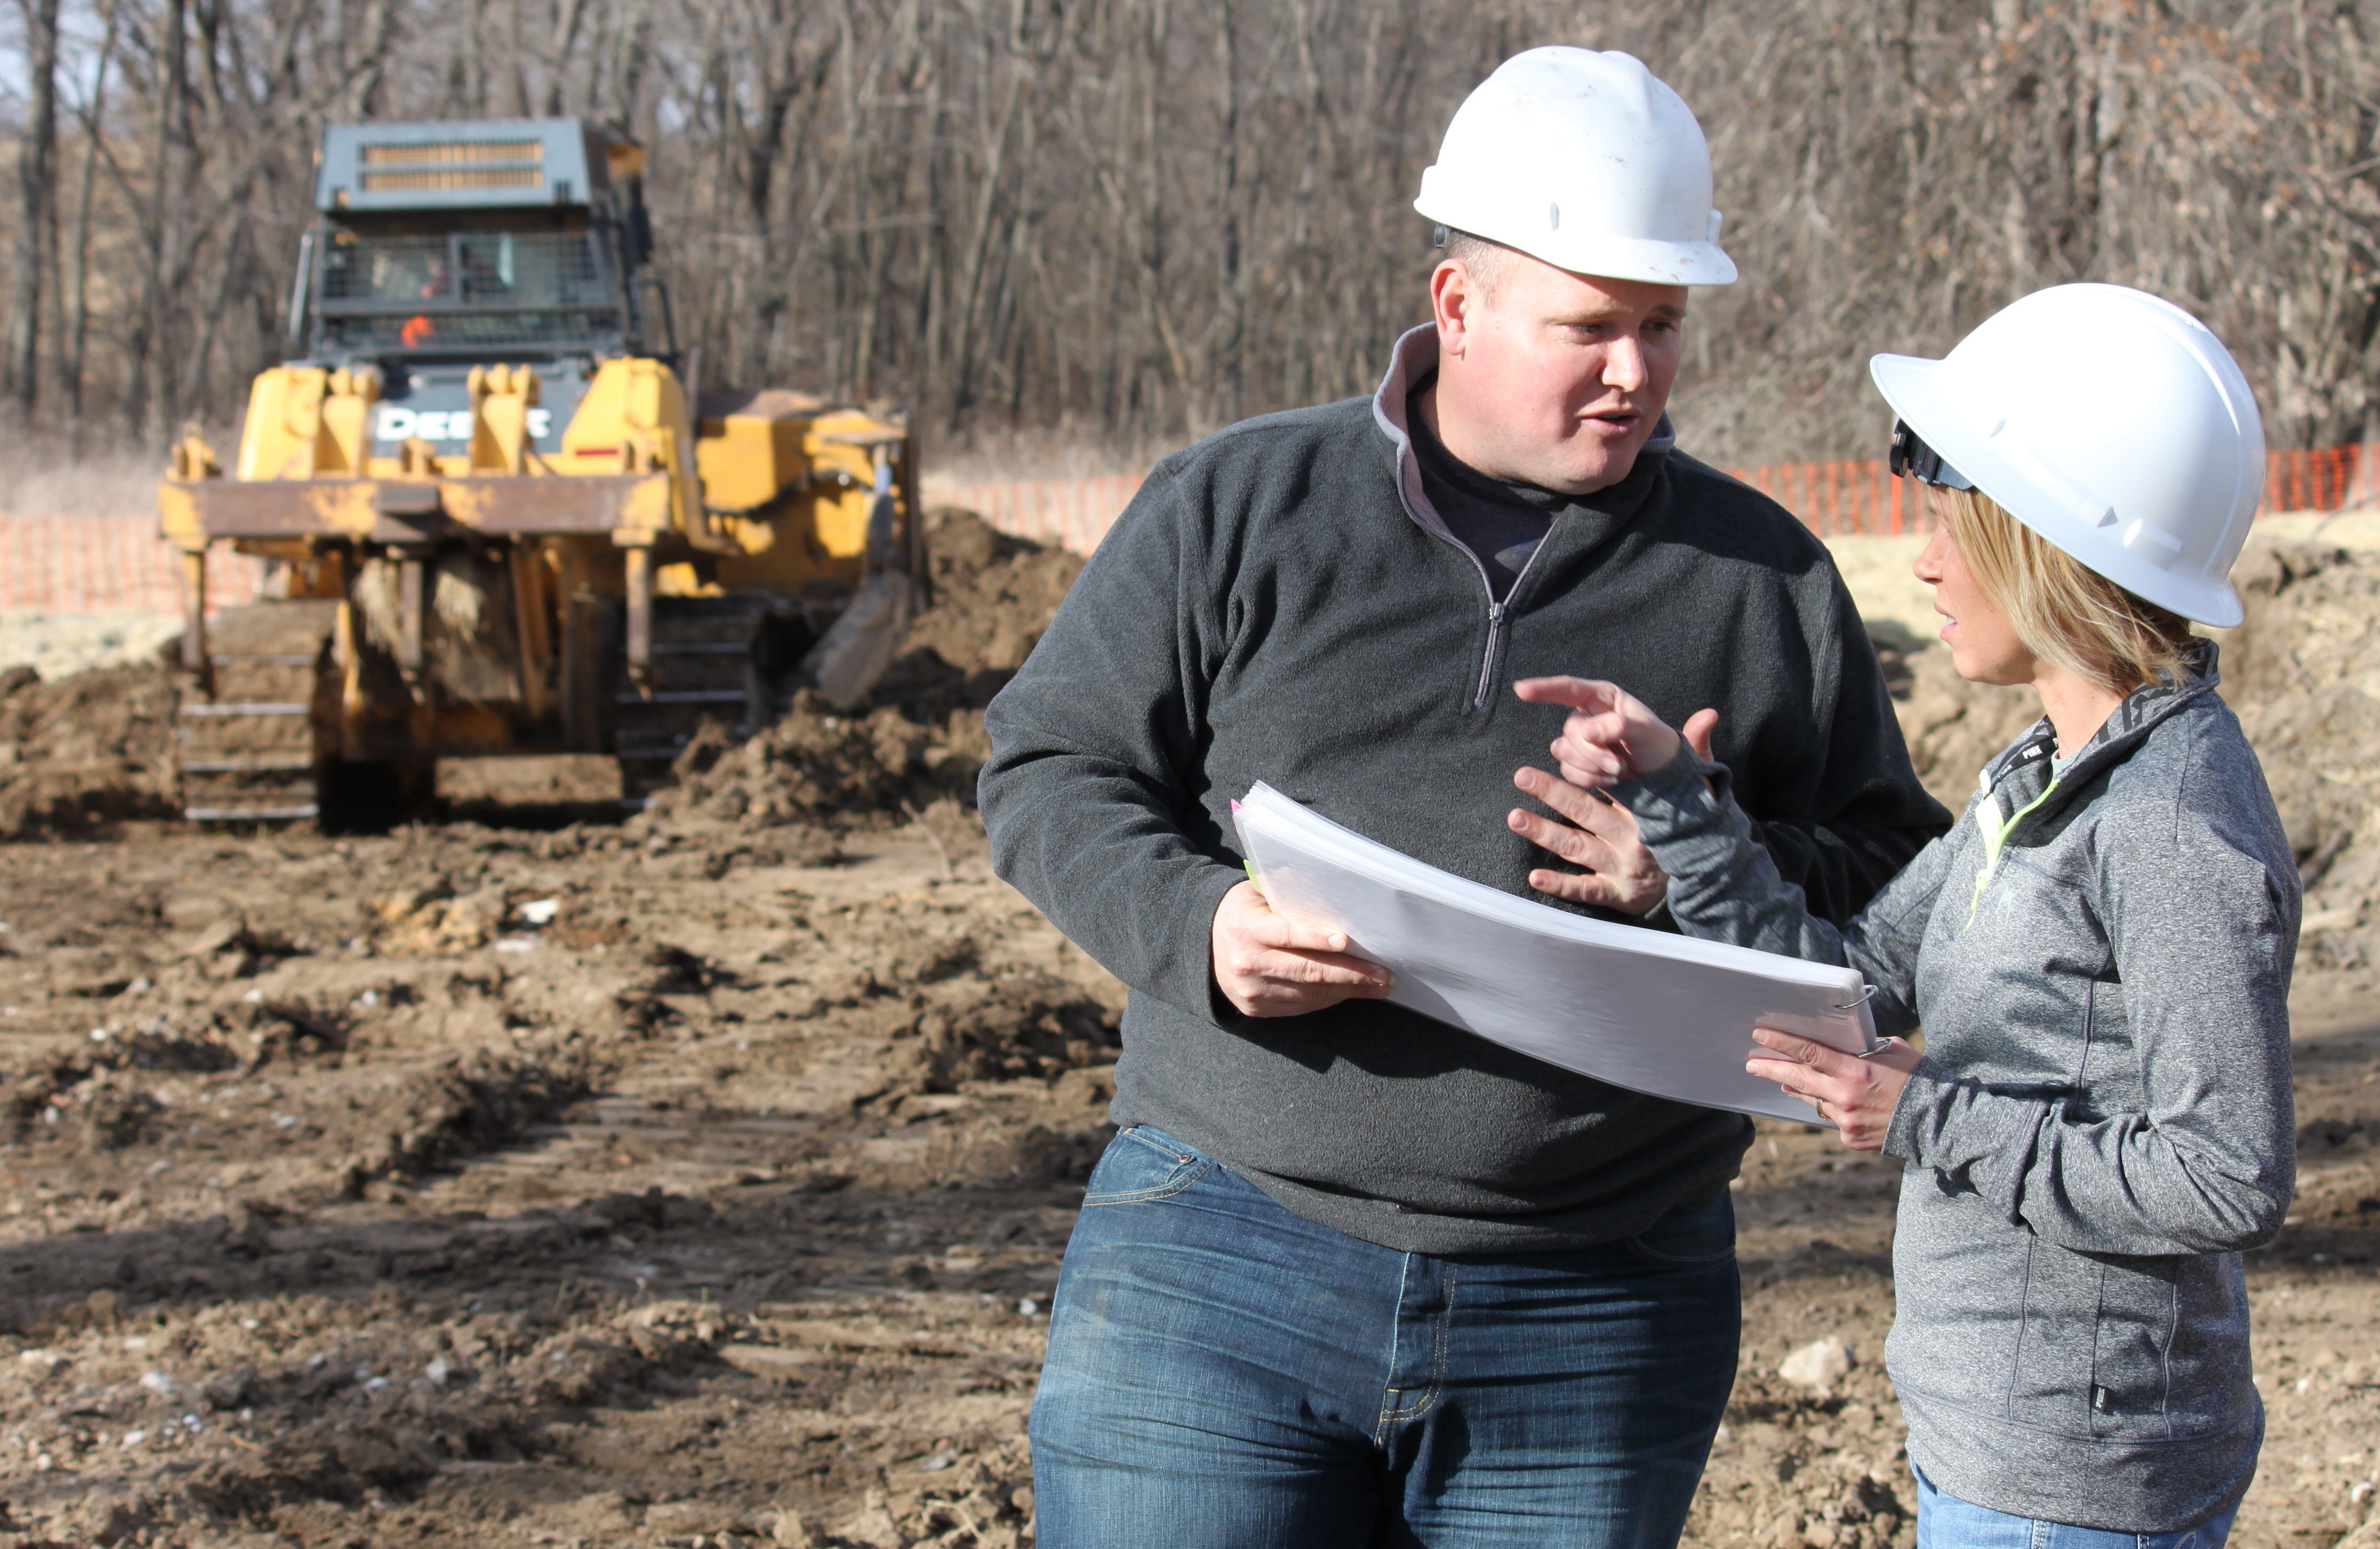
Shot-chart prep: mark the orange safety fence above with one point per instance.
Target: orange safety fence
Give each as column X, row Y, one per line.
column 1862, row 499
column 1841, row 499
column 95, row 564
column 1852, row 497
column 83, row 565
column 2320, row 478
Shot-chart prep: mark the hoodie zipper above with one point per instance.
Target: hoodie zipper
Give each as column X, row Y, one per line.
column 1495, row 639
column 1497, row 612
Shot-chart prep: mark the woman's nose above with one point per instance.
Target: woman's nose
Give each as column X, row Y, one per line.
column 1928, row 564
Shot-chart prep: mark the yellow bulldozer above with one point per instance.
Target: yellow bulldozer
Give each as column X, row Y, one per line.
column 515, row 555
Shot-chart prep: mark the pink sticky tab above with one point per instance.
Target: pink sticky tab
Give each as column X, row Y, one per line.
column 1235, row 807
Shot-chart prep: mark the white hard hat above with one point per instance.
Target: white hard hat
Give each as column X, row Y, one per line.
column 1587, row 161
column 2110, row 422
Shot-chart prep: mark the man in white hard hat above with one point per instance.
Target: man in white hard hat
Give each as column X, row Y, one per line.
column 1348, row 1275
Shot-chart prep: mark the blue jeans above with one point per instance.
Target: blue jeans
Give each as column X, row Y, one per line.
column 1948, row 1522
column 1224, row 1373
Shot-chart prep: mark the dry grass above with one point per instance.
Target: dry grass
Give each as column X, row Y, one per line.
column 45, row 478
column 998, row 455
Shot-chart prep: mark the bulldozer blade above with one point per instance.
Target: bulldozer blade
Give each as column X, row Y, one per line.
column 862, row 643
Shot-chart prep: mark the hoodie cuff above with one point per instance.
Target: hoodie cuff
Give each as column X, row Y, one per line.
column 1682, row 797
column 1917, row 1117
column 1187, row 979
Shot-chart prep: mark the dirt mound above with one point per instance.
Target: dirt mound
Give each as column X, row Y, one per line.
column 814, row 766
column 993, row 594
column 468, row 1104
column 2303, row 672
column 95, row 747
column 922, row 742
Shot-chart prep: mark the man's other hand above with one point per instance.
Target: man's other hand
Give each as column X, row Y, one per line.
column 1270, row 965
column 1621, row 873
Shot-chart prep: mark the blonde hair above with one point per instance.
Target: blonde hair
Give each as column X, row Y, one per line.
column 2063, row 611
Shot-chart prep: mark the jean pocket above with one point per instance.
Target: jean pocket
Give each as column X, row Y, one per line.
column 1141, row 1165
column 1690, row 1236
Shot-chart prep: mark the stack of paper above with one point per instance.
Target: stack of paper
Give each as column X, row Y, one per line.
column 1641, row 1009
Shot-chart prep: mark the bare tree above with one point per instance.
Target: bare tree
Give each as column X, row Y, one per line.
column 1128, row 221
column 37, row 187
column 92, row 114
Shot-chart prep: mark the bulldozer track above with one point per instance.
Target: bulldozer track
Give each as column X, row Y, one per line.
column 705, row 666
column 256, row 731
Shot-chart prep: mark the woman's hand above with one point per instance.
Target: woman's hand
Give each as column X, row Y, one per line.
column 1610, row 735
column 1857, row 1095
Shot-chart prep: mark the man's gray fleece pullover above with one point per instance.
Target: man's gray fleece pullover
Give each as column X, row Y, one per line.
column 1281, row 603
column 2100, row 956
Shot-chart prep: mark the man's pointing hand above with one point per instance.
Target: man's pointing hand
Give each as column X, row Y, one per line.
column 1270, row 965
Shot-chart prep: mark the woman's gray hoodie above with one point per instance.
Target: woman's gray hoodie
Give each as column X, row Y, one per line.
column 2100, row 957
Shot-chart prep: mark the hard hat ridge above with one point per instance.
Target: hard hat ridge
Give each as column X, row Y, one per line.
column 1587, row 161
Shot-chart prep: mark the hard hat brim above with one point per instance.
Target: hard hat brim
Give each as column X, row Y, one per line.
column 1648, row 260
column 2069, row 519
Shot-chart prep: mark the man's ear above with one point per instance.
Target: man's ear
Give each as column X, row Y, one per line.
column 1453, row 296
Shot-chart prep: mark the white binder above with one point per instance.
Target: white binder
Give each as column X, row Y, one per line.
column 1645, row 1009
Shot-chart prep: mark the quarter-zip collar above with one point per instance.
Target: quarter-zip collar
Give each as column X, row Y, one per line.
column 2021, row 776
column 1414, row 357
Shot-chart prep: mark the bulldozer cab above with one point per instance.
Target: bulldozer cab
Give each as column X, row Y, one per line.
column 444, row 242
column 440, row 246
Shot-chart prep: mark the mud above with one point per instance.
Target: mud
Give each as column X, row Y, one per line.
column 918, row 744
column 463, row 1186
column 86, row 750
column 701, row 1179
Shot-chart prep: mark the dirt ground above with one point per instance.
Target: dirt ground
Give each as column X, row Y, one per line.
column 700, row 1180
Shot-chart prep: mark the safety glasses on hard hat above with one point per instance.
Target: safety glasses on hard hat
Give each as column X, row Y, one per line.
column 1911, row 458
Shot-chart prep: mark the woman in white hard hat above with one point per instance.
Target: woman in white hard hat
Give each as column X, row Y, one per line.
column 2099, row 951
